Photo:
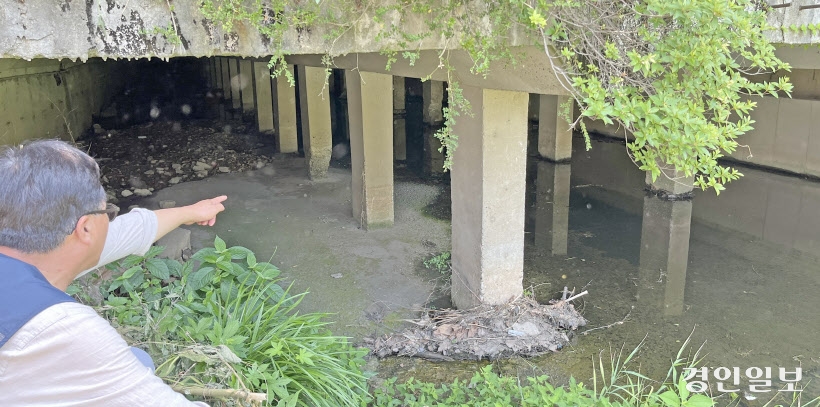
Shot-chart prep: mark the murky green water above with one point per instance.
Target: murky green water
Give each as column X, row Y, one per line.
column 743, row 279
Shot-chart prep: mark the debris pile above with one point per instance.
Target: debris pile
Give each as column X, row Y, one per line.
column 140, row 159
column 522, row 327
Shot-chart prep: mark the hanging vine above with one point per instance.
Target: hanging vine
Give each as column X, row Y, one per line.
column 672, row 73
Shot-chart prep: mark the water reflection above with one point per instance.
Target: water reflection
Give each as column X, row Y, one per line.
column 741, row 269
column 552, row 207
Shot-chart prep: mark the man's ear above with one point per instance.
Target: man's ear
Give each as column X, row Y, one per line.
column 84, row 229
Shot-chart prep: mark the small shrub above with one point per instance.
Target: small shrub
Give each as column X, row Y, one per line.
column 222, row 321
column 440, row 263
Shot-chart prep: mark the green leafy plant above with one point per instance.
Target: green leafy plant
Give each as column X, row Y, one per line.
column 220, row 326
column 440, row 263
column 618, row 386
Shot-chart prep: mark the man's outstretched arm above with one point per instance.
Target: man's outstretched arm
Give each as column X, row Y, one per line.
column 136, row 231
column 202, row 213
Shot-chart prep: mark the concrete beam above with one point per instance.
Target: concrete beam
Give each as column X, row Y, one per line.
column 246, row 84
column 552, row 207
column 554, row 131
column 264, row 98
column 488, row 185
column 371, row 147
column 284, row 102
column 532, row 74
column 314, row 102
column 399, row 119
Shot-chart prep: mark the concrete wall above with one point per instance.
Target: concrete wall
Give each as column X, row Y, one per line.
column 50, row 98
column 775, row 208
column 786, row 134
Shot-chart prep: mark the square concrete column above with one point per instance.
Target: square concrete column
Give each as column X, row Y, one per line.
column 226, row 78
column 216, row 72
column 207, row 70
column 433, row 116
column 554, row 132
column 284, row 104
column 399, row 119
column 552, row 207
column 314, row 102
column 371, row 146
column 664, row 254
column 246, row 83
column 488, row 183
column 236, row 85
column 264, row 98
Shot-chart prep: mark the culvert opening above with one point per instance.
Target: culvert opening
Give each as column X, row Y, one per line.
column 174, row 122
column 154, row 123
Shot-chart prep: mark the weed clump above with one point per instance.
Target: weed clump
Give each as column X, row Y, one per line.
column 220, row 327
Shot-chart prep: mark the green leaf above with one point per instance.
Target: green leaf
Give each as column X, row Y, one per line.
column 73, row 289
column 130, row 272
column 200, row 278
column 130, row 261
column 158, row 268
column 154, row 251
column 174, row 267
column 219, row 245
column 186, row 269
column 670, row 399
column 699, row 400
column 204, row 253
column 135, row 280
column 116, row 301
column 239, row 252
column 537, row 19
column 266, row 270
column 289, row 401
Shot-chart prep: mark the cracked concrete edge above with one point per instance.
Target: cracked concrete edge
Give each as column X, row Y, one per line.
column 134, row 29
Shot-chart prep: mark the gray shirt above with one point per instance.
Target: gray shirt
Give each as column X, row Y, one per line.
column 68, row 355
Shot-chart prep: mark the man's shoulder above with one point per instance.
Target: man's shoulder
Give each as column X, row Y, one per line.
column 50, row 321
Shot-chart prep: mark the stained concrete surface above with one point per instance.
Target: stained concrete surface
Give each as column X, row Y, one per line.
column 306, row 229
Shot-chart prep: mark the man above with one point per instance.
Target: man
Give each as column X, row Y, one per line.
column 54, row 225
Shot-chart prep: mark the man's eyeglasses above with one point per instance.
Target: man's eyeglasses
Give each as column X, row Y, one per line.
column 110, row 209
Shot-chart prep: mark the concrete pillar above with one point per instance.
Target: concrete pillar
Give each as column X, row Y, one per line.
column 671, row 182
column 236, row 85
column 371, row 146
column 246, row 83
column 554, row 132
column 264, row 98
column 284, row 104
column 552, row 207
column 399, row 119
column 314, row 102
column 665, row 242
column 226, row 78
column 488, row 182
column 207, row 71
column 433, row 97
column 664, row 254
column 216, row 72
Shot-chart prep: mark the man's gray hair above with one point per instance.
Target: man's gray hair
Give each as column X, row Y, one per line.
column 45, row 187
